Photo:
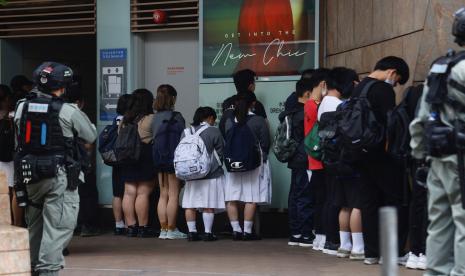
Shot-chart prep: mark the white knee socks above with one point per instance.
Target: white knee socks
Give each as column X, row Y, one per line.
column 359, row 246
column 192, row 226
column 208, row 219
column 248, row 226
column 346, row 243
column 235, row 226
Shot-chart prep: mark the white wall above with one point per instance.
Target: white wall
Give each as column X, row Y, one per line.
column 165, row 50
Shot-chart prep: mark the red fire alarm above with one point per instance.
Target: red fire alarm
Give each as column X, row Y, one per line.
column 159, row 17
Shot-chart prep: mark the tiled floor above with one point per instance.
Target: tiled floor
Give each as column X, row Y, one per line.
column 121, row 256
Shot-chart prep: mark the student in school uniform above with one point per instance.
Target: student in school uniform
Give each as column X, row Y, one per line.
column 206, row 194
column 344, row 190
column 250, row 187
column 168, row 203
column 139, row 178
column 315, row 167
column 117, row 182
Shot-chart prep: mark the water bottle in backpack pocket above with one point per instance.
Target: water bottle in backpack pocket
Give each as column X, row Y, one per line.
column 165, row 142
column 191, row 158
column 242, row 151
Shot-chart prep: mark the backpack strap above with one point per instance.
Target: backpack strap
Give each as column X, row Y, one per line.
column 202, row 129
column 366, row 89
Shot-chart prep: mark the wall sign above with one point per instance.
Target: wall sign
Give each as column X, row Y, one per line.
column 276, row 39
column 113, row 84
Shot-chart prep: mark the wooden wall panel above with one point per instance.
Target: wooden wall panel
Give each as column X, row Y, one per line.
column 345, row 25
column 382, row 20
column 403, row 22
column 419, row 13
column 363, row 22
column 436, row 38
column 331, row 26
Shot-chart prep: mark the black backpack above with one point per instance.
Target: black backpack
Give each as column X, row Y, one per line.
column 165, row 142
column 335, row 159
column 359, row 129
column 7, row 139
column 397, row 132
column 241, row 150
column 106, row 144
column 128, row 144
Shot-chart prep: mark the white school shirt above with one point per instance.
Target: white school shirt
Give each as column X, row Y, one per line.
column 329, row 104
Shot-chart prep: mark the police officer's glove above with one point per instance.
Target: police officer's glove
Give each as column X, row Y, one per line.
column 421, row 174
column 442, row 141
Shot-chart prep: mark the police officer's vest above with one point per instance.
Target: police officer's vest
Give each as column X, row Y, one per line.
column 40, row 129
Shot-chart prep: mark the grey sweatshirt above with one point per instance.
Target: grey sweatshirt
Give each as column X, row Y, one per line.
column 213, row 141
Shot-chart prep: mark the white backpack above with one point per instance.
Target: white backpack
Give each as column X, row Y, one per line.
column 191, row 158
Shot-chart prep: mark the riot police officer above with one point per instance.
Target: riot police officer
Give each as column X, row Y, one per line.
column 47, row 127
column 438, row 138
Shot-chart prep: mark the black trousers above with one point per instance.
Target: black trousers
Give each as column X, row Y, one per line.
column 319, row 197
column 382, row 184
column 300, row 204
column 330, row 210
column 418, row 217
column 88, row 205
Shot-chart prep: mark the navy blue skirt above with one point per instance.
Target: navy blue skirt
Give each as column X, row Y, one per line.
column 142, row 170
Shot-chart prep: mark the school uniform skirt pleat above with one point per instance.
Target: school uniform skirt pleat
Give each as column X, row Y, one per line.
column 250, row 187
column 204, row 193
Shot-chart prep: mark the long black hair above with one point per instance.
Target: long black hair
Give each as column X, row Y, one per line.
column 244, row 101
column 6, row 98
column 201, row 114
column 139, row 105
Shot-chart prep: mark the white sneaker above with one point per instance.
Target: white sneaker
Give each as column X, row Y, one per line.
column 163, row 234
column 175, row 235
column 316, row 242
column 421, row 262
column 412, row 261
column 403, row 260
column 371, row 261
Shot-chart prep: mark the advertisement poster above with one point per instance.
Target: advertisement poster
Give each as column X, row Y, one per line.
column 276, row 39
column 113, row 83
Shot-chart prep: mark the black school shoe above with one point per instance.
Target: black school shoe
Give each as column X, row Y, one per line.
column 146, row 232
column 208, row 237
column 250, row 237
column 119, row 231
column 237, row 236
column 132, row 231
column 193, row 236
column 330, row 248
column 293, row 241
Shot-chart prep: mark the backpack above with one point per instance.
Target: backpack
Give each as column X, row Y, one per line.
column 128, row 144
column 191, row 158
column 165, row 142
column 334, row 157
column 397, row 132
column 228, row 114
column 359, row 129
column 312, row 143
column 106, row 144
column 7, row 140
column 242, row 151
column 284, row 146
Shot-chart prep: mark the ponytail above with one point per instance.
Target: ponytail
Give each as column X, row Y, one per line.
column 244, row 102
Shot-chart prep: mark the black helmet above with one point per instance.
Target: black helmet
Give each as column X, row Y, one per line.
column 50, row 76
column 458, row 27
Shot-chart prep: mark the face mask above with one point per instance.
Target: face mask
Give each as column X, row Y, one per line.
column 324, row 91
column 390, row 82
